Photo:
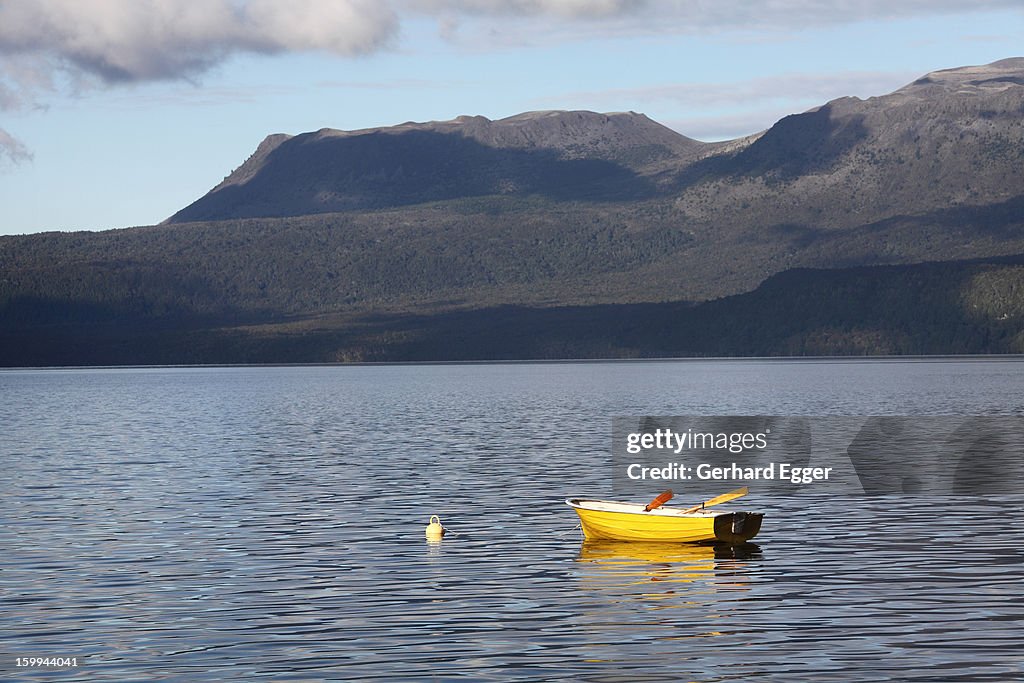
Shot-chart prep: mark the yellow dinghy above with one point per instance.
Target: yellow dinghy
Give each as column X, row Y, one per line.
column 609, row 520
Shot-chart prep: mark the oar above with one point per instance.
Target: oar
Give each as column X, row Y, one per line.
column 659, row 501
column 724, row 498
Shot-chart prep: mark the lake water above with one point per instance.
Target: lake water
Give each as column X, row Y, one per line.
column 267, row 524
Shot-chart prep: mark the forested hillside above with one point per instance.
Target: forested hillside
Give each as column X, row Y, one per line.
column 974, row 307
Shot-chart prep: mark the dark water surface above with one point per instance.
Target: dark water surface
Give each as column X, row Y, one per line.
column 267, row 524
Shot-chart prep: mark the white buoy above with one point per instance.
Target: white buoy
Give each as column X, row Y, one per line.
column 434, row 530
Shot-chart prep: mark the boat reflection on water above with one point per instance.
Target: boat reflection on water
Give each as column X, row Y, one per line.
column 663, row 569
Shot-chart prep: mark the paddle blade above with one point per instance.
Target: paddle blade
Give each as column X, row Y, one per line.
column 659, row 501
column 724, row 498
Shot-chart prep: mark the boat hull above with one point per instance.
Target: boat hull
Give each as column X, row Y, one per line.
column 664, row 525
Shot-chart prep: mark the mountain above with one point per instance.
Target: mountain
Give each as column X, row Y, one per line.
column 952, row 138
column 390, row 243
column 564, row 155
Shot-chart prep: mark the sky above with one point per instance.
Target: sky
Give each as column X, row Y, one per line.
column 117, row 113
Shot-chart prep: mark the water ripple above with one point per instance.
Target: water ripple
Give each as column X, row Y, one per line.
column 243, row 524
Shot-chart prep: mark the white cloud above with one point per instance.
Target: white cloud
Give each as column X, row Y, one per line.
column 489, row 23
column 12, row 150
column 721, row 111
column 811, row 87
column 697, row 15
column 727, row 126
column 79, row 43
column 123, row 41
column 72, row 44
column 570, row 9
column 9, row 98
column 136, row 40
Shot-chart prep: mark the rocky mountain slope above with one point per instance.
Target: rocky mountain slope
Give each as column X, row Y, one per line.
column 952, row 138
column 564, row 155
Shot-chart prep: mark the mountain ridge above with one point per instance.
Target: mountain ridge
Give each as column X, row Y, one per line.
column 554, row 215
column 950, row 134
column 531, row 152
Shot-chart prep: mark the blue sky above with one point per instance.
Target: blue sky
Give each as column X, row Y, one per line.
column 116, row 113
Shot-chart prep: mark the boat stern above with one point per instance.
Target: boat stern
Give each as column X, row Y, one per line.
column 737, row 527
